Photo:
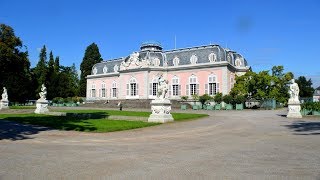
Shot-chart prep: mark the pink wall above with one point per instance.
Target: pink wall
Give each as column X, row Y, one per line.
column 202, row 76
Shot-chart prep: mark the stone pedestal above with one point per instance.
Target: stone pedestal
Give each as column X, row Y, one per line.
column 42, row 106
column 4, row 104
column 160, row 111
column 294, row 110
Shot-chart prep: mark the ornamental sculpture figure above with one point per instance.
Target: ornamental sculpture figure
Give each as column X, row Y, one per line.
column 162, row 87
column 43, row 92
column 4, row 94
column 294, row 91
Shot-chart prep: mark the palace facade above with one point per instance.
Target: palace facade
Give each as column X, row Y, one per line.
column 195, row 70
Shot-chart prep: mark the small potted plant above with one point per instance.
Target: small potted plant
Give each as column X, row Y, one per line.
column 184, row 105
column 218, row 99
column 239, row 99
column 203, row 99
column 316, row 108
column 195, row 98
column 227, row 99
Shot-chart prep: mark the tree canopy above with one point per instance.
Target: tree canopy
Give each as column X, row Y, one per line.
column 14, row 65
column 262, row 85
column 305, row 86
column 91, row 57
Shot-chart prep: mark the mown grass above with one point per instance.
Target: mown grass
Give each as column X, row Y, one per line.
column 76, row 123
column 91, row 120
column 22, row 107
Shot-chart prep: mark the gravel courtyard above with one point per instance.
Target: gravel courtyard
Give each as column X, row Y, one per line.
column 226, row 145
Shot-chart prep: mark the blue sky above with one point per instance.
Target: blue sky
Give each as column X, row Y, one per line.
column 266, row 33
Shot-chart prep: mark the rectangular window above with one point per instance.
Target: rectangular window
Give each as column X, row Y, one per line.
column 193, row 89
column 154, row 89
column 114, row 92
column 212, row 88
column 175, row 90
column 93, row 92
column 103, row 92
column 133, row 88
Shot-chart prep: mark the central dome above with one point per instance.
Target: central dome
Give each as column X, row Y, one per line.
column 151, row 45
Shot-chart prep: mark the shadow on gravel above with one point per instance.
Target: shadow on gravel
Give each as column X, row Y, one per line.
column 17, row 131
column 304, row 128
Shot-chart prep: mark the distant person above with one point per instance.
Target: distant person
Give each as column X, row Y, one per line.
column 120, row 105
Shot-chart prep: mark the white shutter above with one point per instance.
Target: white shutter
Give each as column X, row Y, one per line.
column 128, row 89
column 217, row 87
column 179, row 90
column 150, row 89
column 117, row 92
column 170, row 90
column 137, row 89
column 111, row 93
column 187, row 90
column 206, row 89
column 197, row 89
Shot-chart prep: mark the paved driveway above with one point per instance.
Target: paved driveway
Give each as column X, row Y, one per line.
column 226, row 145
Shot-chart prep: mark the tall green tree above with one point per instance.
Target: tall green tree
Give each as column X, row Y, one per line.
column 14, row 66
column 40, row 71
column 305, row 86
column 51, row 76
column 91, row 57
column 57, row 64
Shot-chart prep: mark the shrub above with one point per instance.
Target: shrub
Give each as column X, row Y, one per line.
column 227, row 99
column 204, row 98
column 218, row 98
column 239, row 99
column 184, row 98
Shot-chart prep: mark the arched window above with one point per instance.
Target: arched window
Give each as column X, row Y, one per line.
column 114, row 90
column 192, row 87
column 176, row 61
column 212, row 87
column 93, row 90
column 194, row 59
column 176, row 87
column 132, row 87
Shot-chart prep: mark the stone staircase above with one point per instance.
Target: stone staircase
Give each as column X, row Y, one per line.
column 126, row 103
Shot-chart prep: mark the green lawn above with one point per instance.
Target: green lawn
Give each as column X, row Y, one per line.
column 90, row 120
column 22, row 107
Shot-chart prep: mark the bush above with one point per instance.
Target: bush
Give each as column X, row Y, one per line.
column 239, row 99
column 227, row 99
column 314, row 106
column 184, row 98
column 218, row 98
column 204, row 98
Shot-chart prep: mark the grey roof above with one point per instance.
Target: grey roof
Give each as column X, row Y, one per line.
column 202, row 54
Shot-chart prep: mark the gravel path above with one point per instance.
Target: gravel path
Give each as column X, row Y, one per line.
column 226, row 145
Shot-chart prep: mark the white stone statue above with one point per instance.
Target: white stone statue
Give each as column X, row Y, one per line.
column 162, row 87
column 43, row 93
column 133, row 59
column 294, row 91
column 294, row 103
column 4, row 94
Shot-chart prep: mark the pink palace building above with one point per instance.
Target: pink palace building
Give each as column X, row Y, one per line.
column 195, row 70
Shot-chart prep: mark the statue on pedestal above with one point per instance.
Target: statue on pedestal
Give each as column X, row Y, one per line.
column 42, row 103
column 161, row 106
column 294, row 91
column 43, row 92
column 294, row 103
column 4, row 94
column 162, row 87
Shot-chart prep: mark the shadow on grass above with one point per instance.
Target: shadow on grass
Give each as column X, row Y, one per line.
column 304, row 127
column 18, row 127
